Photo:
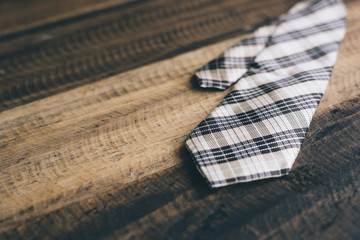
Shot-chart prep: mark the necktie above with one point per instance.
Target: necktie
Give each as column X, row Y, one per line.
column 284, row 68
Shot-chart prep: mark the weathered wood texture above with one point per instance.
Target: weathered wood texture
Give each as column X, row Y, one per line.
column 106, row 159
column 60, row 57
column 17, row 17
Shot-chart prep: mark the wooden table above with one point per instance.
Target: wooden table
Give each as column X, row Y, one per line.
column 96, row 100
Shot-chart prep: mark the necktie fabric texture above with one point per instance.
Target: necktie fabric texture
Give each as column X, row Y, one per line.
column 279, row 75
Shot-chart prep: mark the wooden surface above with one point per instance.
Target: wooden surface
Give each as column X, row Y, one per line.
column 96, row 101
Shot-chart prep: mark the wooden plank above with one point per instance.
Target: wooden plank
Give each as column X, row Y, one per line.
column 65, row 56
column 22, row 15
column 101, row 135
column 106, row 160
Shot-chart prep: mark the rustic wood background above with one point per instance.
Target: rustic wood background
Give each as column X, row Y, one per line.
column 96, row 100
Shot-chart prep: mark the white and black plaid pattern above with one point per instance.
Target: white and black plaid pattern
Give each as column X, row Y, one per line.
column 257, row 130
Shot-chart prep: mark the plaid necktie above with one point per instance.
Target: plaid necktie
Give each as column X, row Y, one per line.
column 257, row 130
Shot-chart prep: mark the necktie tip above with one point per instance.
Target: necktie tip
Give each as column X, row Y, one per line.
column 211, row 83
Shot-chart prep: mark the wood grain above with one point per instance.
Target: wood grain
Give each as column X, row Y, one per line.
column 68, row 55
column 133, row 122
column 107, row 160
column 19, row 16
